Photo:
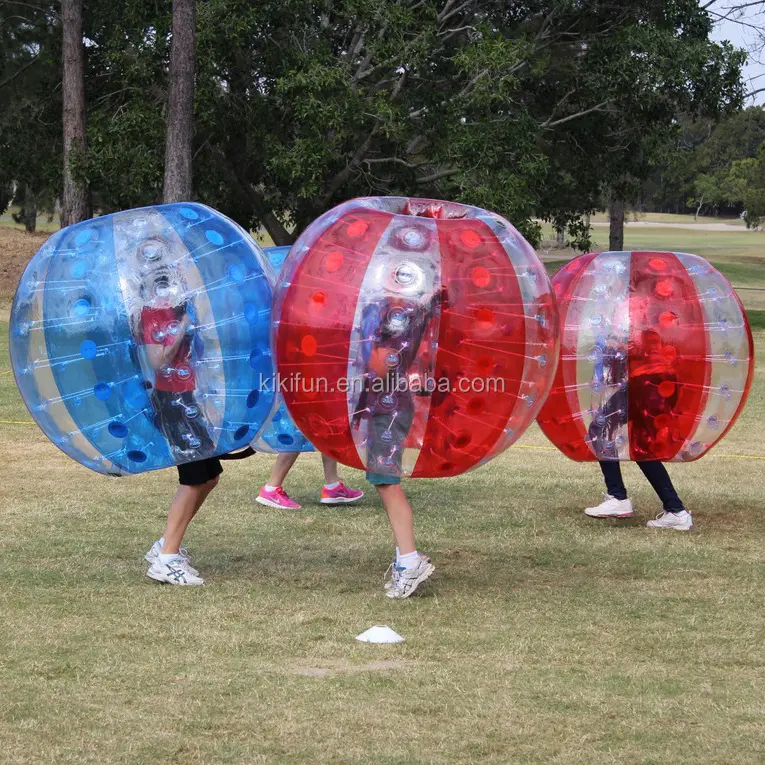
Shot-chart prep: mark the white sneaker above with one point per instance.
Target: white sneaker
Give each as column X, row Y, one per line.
column 152, row 556
column 175, row 571
column 404, row 581
column 682, row 521
column 611, row 507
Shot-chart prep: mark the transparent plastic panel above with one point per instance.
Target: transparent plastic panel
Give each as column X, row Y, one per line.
column 600, row 354
column 586, row 414
column 391, row 358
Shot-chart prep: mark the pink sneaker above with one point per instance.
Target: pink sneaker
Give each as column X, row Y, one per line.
column 340, row 495
column 277, row 498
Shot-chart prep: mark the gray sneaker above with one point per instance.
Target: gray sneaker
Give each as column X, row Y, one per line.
column 175, row 571
column 404, row 581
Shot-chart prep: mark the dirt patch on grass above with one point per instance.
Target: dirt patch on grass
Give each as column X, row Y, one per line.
column 337, row 668
column 16, row 250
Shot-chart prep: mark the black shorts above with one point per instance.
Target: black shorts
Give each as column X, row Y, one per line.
column 197, row 473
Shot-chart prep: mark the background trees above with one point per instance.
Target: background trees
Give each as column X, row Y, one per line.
column 535, row 108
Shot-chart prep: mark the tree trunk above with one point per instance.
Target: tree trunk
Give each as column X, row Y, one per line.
column 30, row 210
column 180, row 116
column 76, row 204
column 560, row 237
column 698, row 208
column 280, row 235
column 616, row 217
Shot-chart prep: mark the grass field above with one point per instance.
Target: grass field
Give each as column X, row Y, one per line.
column 669, row 218
column 740, row 255
column 545, row 637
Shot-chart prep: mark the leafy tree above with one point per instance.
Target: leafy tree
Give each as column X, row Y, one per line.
column 735, row 139
column 746, row 182
column 659, row 65
column 305, row 104
column 525, row 107
column 128, row 61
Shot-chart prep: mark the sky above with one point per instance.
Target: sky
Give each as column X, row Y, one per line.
column 748, row 32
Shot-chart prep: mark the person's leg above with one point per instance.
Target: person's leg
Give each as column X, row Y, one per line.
column 616, row 503
column 400, row 516
column 334, row 491
column 282, row 466
column 330, row 470
column 168, row 564
column 409, row 568
column 659, row 479
column 612, row 473
column 675, row 516
column 272, row 494
column 185, row 505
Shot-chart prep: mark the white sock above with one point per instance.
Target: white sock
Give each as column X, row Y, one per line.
column 409, row 560
column 166, row 557
column 268, row 487
column 331, row 486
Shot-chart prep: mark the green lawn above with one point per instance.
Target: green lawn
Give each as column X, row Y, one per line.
column 740, row 255
column 545, row 637
column 43, row 224
column 49, row 227
column 669, row 218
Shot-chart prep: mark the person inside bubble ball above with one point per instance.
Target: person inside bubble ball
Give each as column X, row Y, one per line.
column 651, row 368
column 393, row 330
column 166, row 331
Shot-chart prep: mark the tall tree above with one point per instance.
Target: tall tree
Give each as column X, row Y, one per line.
column 656, row 63
column 180, row 113
column 30, row 108
column 749, row 15
column 76, row 205
column 746, row 182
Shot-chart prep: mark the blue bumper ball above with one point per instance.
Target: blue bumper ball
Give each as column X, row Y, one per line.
column 141, row 340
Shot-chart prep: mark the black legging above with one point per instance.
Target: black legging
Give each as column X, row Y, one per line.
column 657, row 476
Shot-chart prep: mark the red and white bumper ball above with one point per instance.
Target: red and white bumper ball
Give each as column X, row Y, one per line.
column 656, row 358
column 414, row 337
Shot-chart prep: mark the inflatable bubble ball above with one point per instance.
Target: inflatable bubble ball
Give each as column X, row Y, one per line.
column 279, row 433
column 139, row 340
column 656, row 358
column 414, row 337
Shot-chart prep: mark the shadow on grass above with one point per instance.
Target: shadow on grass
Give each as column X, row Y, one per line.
column 756, row 319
